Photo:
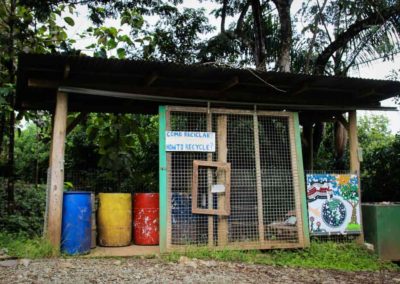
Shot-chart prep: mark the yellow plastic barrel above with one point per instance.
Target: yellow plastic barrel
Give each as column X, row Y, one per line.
column 114, row 219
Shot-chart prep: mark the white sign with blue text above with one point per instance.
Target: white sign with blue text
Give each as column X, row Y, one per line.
column 186, row 141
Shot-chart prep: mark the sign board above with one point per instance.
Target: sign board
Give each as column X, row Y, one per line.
column 333, row 204
column 217, row 188
column 186, row 141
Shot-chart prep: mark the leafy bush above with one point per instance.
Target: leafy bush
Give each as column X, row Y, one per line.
column 28, row 216
column 381, row 173
column 19, row 245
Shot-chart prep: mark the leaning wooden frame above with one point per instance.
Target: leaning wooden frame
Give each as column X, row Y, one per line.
column 256, row 191
column 224, row 177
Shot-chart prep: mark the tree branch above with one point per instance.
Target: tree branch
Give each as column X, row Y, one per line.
column 376, row 18
column 239, row 25
column 315, row 31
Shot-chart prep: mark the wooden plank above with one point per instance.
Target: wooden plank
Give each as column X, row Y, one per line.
column 222, row 124
column 299, row 181
column 228, row 111
column 163, row 179
column 57, row 171
column 260, row 208
column 224, row 175
column 243, row 246
column 209, row 184
column 354, row 160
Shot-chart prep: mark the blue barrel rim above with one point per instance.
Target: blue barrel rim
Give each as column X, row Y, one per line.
column 78, row 192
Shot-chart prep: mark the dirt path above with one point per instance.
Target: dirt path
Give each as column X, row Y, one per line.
column 187, row 271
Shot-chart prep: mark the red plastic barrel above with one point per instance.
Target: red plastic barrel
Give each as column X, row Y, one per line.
column 145, row 218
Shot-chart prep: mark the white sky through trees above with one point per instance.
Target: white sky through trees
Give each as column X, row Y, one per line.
column 377, row 69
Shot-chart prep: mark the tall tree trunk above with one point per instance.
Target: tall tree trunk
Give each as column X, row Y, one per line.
column 223, row 15
column 353, row 214
column 240, row 21
column 284, row 58
column 11, row 122
column 259, row 43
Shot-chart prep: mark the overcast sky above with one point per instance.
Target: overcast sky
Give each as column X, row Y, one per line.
column 377, row 70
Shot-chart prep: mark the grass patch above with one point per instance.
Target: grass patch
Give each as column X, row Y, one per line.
column 21, row 246
column 321, row 255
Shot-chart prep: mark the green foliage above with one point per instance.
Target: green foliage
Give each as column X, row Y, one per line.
column 381, row 173
column 320, row 255
column 28, row 216
column 374, row 133
column 31, row 154
column 124, row 147
column 19, row 245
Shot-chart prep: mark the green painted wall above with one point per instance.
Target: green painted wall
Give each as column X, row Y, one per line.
column 381, row 227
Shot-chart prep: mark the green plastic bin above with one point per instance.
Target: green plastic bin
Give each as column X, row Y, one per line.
column 381, row 224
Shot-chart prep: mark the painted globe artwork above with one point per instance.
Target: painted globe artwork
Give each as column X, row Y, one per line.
column 334, row 212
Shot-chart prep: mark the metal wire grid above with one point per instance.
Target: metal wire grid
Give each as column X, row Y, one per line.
column 186, row 228
column 276, row 183
column 279, row 205
column 243, row 221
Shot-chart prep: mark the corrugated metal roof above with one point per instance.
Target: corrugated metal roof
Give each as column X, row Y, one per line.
column 40, row 76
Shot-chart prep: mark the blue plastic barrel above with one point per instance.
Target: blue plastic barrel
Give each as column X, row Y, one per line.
column 187, row 228
column 76, row 222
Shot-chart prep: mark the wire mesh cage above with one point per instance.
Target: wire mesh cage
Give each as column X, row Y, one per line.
column 264, row 190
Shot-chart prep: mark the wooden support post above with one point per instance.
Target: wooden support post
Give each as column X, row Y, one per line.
column 354, row 160
column 222, row 123
column 209, row 184
column 57, row 171
column 260, row 208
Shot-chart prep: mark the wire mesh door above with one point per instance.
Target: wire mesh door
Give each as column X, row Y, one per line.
column 264, row 200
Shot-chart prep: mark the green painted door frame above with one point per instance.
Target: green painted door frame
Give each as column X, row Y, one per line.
column 163, row 178
column 302, row 182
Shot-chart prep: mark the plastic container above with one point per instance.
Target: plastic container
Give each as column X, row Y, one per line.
column 94, row 227
column 76, row 223
column 146, row 218
column 114, row 219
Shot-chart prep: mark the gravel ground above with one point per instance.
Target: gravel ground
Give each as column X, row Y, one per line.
column 186, row 271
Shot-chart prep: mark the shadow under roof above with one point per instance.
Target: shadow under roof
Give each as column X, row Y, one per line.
column 111, row 85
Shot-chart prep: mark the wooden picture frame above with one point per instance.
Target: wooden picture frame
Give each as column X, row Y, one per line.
column 226, row 169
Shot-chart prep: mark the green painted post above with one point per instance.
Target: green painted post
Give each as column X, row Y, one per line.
column 163, row 178
column 300, row 170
